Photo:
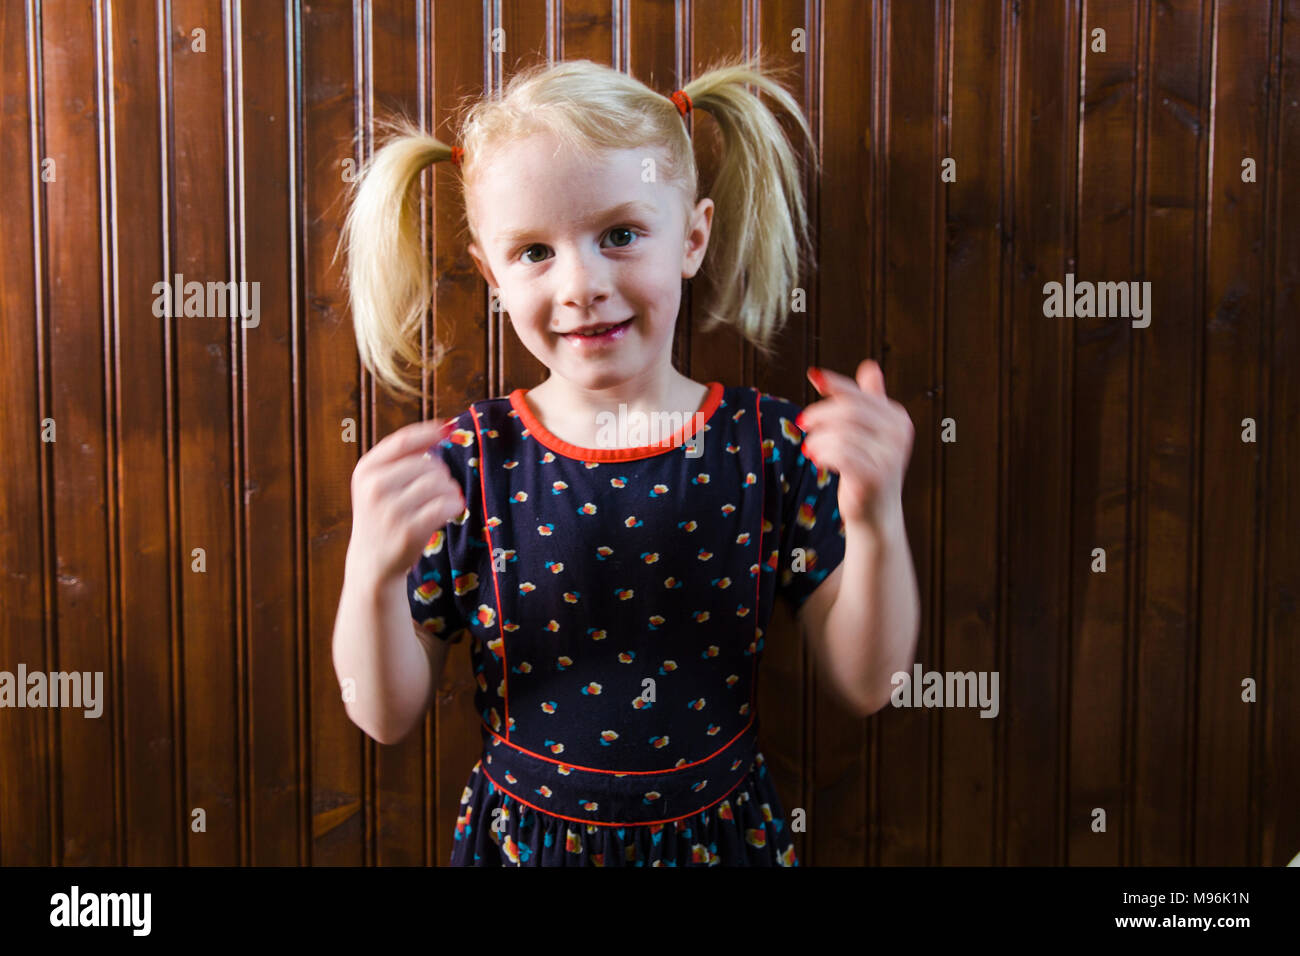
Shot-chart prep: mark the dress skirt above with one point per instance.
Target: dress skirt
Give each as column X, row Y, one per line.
column 747, row 827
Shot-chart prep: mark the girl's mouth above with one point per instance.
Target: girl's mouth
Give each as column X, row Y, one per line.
column 609, row 336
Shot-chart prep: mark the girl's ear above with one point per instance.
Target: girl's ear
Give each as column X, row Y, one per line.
column 697, row 237
column 480, row 261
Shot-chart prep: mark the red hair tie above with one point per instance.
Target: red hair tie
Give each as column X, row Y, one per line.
column 457, row 154
column 682, row 101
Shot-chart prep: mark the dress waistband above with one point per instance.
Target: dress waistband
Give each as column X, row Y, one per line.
column 618, row 798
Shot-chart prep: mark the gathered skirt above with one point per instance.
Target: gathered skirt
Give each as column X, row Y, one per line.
column 746, row 828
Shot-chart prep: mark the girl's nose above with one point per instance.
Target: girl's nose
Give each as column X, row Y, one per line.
column 585, row 280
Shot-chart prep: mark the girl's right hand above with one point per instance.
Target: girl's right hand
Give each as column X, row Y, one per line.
column 400, row 497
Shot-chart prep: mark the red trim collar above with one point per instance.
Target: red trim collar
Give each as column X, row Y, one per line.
column 578, row 453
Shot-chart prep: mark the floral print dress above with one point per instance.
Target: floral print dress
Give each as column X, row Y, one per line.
column 616, row 600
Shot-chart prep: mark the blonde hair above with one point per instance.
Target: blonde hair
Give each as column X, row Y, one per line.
column 760, row 230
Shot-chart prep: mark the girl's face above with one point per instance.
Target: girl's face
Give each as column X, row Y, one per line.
column 575, row 244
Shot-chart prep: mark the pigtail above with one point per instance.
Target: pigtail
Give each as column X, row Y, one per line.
column 387, row 274
column 760, row 223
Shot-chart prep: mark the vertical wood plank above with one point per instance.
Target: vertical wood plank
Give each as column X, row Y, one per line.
column 269, row 414
column 331, row 393
column 1263, row 650
column 1276, row 771
column 650, row 36
column 587, row 30
column 83, row 747
column 200, row 237
column 1037, row 476
column 150, row 568
column 1231, row 507
column 26, row 626
column 1108, row 249
column 1177, row 114
column 965, row 389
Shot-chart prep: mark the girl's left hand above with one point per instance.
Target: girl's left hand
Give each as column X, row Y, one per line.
column 863, row 436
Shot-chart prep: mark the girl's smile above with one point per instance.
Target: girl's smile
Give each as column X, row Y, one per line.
column 600, row 335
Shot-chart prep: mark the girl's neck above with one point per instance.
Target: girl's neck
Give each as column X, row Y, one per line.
column 571, row 414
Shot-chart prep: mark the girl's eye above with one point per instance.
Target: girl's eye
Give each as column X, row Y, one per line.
column 621, row 229
column 617, row 230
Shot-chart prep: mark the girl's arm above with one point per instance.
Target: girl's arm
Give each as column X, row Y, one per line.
column 863, row 620
column 866, row 628
column 394, row 668
column 401, row 494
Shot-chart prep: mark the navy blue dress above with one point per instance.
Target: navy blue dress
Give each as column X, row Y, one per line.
column 616, row 601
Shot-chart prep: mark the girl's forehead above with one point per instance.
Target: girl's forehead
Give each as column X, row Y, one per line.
column 528, row 185
column 542, row 160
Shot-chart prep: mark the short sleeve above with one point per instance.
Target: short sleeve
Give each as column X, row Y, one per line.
column 811, row 535
column 430, row 583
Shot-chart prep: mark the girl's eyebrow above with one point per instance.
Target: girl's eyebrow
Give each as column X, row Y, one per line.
column 636, row 207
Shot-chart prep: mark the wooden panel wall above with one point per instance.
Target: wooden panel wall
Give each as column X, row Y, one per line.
column 137, row 152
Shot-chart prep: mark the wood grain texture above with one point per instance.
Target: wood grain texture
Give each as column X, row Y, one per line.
column 138, row 152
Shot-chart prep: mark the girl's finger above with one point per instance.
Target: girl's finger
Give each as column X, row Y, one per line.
column 833, row 446
column 410, row 438
column 438, row 505
column 420, row 493
column 873, row 452
column 810, row 451
column 401, row 473
column 830, row 383
column 873, row 414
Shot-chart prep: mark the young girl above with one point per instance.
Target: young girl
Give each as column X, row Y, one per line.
column 615, row 586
